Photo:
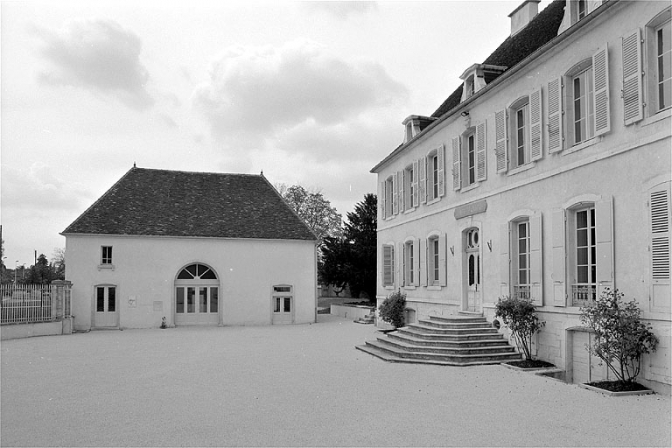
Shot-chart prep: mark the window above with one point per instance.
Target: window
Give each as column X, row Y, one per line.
column 582, row 107
column 587, row 241
column 663, row 81
column 388, row 194
column 409, row 264
column 655, row 74
column 521, row 256
column 410, row 186
column 388, row 265
column 436, row 260
column 435, row 174
column 106, row 299
column 583, row 95
column 521, row 121
column 106, row 255
column 469, row 157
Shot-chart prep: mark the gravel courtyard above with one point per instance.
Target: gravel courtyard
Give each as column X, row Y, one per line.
column 302, row 385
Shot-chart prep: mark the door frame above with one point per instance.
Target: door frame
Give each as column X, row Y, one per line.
column 464, row 229
column 94, row 300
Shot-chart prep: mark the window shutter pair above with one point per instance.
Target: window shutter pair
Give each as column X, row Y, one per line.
column 633, row 106
column 659, row 213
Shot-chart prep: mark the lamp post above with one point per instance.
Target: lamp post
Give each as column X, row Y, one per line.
column 16, row 267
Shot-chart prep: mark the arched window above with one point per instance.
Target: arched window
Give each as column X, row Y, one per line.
column 197, row 272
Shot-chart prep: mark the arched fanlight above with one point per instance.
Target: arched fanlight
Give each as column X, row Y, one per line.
column 197, row 271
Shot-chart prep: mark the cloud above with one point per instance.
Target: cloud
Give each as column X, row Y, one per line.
column 38, row 188
column 259, row 91
column 98, row 55
column 340, row 9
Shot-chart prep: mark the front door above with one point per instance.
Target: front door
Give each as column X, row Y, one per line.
column 106, row 314
column 282, row 304
column 473, row 271
column 197, row 296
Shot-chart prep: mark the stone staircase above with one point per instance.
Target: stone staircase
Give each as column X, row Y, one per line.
column 460, row 340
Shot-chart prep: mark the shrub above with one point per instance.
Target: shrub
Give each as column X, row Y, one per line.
column 519, row 316
column 392, row 309
column 621, row 337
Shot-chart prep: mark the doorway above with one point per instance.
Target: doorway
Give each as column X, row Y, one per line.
column 472, row 268
column 106, row 307
column 282, row 303
column 197, row 298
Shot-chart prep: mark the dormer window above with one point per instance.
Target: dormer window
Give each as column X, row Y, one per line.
column 414, row 124
column 478, row 76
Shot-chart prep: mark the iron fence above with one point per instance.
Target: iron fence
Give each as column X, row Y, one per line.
column 34, row 303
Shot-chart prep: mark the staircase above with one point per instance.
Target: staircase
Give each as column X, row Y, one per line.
column 460, row 340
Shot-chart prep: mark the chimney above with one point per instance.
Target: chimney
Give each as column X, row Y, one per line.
column 523, row 15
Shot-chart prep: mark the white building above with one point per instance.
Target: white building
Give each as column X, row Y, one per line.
column 193, row 248
column 546, row 174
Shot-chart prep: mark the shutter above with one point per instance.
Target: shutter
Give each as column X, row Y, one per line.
column 504, row 259
column 423, row 262
column 501, row 149
column 423, row 180
column 604, row 245
column 536, row 260
column 416, row 193
column 558, row 275
column 382, row 199
column 554, row 125
column 401, row 271
column 659, row 203
column 416, row 263
column 402, row 185
column 633, row 108
column 601, row 91
column 442, row 260
column 536, row 150
column 481, row 143
column 457, row 163
column 441, row 154
column 395, row 193
column 388, row 265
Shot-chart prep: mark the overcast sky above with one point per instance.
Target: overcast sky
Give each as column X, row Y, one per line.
column 312, row 93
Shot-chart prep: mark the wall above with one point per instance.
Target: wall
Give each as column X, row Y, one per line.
column 145, row 269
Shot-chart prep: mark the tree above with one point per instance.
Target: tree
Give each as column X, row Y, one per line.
column 519, row 316
column 314, row 209
column 351, row 259
column 621, row 336
column 40, row 272
column 58, row 264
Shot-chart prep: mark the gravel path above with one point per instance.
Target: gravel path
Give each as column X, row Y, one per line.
column 302, row 385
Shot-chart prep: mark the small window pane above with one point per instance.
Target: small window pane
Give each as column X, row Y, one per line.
column 288, row 305
column 582, row 220
column 100, row 300
column 202, row 300
column 582, row 255
column 184, row 275
column 191, row 300
column 214, row 299
column 111, row 299
column 209, row 275
column 582, row 272
column 582, row 237
column 277, row 305
column 179, row 300
column 192, row 270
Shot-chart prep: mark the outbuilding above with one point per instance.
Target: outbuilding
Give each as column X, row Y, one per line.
column 190, row 248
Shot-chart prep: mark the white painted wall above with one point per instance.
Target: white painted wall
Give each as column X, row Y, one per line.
column 145, row 268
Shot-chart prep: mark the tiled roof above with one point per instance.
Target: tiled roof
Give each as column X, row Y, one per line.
column 178, row 203
column 514, row 49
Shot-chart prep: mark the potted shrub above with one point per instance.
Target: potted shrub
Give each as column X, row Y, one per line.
column 621, row 339
column 393, row 308
column 519, row 316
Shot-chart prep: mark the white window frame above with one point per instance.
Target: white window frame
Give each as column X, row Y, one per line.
column 106, row 257
column 661, row 20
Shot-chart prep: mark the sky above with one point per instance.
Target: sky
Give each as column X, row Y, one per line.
column 310, row 93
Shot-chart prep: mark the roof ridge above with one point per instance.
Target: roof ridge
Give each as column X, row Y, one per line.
column 198, row 172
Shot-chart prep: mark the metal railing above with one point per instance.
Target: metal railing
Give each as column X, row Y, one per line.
column 521, row 291
column 34, row 303
column 583, row 294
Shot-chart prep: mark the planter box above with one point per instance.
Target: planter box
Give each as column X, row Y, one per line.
column 616, row 394
column 531, row 369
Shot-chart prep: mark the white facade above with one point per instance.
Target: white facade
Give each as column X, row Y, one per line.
column 490, row 199
column 144, row 274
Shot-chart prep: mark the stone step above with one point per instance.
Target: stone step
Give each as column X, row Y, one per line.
column 439, row 335
column 454, row 331
column 458, row 318
column 486, row 358
column 442, row 350
column 435, row 323
column 448, row 343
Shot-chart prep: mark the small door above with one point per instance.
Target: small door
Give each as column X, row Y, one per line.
column 473, row 271
column 106, row 307
column 282, row 304
column 196, row 305
column 586, row 367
